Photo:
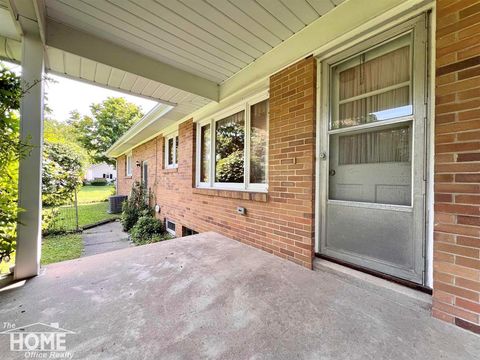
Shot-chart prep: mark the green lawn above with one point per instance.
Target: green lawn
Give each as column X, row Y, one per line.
column 88, row 214
column 92, row 208
column 90, row 194
column 56, row 248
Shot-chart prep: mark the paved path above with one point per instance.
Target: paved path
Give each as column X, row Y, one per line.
column 104, row 238
column 209, row 297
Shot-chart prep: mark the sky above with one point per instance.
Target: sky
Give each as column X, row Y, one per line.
column 65, row 95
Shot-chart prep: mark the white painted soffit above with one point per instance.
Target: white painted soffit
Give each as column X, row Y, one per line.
column 358, row 18
column 213, row 39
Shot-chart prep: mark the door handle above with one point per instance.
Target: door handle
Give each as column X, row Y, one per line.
column 331, row 172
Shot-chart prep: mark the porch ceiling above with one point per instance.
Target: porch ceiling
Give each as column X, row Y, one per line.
column 213, row 39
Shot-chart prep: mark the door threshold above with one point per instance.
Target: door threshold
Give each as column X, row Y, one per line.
column 400, row 285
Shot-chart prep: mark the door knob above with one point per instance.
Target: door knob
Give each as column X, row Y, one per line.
column 331, row 172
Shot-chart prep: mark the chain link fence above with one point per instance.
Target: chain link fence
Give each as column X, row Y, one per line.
column 61, row 219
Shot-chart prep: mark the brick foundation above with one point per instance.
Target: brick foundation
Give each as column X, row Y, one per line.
column 456, row 289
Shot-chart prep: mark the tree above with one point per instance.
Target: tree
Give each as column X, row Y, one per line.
column 108, row 121
column 11, row 151
column 230, row 141
column 61, row 175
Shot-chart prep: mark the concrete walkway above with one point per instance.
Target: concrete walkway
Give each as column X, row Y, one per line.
column 104, row 238
column 209, row 297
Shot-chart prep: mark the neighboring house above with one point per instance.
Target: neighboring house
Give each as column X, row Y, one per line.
column 102, row 170
column 332, row 155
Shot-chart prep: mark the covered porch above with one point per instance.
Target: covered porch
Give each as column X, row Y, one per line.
column 207, row 296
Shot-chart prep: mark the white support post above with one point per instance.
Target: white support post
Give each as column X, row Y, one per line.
column 29, row 233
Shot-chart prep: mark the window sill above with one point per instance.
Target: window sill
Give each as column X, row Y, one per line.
column 233, row 194
column 170, row 170
column 128, row 177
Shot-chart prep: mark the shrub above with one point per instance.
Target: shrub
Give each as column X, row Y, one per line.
column 147, row 229
column 99, row 182
column 135, row 207
column 11, row 150
column 61, row 174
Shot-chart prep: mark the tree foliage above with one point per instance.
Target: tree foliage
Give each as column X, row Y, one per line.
column 61, row 175
column 230, row 142
column 11, row 150
column 108, row 121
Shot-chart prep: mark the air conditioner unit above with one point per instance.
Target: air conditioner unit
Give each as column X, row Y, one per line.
column 115, row 203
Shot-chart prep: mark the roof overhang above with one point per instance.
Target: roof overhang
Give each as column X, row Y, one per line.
column 194, row 58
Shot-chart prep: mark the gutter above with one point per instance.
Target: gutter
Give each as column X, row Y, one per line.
column 153, row 115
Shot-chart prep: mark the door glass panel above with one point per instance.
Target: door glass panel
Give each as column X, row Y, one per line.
column 373, row 86
column 372, row 166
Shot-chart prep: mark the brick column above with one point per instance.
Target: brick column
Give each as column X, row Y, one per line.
column 292, row 159
column 456, row 294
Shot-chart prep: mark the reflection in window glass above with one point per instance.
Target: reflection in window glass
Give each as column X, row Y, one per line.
column 258, row 142
column 374, row 90
column 229, row 149
column 176, row 149
column 371, row 147
column 205, row 153
column 373, row 166
column 170, row 151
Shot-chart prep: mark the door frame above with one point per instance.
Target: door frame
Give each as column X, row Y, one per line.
column 321, row 179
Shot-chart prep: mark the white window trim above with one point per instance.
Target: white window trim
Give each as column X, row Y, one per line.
column 170, row 231
column 128, row 164
column 175, row 158
column 245, row 106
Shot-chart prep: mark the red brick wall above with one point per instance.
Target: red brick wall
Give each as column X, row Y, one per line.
column 281, row 222
column 456, row 293
column 124, row 183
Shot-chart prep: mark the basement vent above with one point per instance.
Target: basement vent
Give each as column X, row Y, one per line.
column 115, row 203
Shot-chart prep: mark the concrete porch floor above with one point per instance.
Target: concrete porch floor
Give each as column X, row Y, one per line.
column 206, row 296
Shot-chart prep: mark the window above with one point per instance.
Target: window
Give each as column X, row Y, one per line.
column 145, row 174
column 171, row 151
column 170, row 226
column 128, row 165
column 187, row 232
column 232, row 148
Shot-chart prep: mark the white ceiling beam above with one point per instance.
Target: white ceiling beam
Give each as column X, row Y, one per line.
column 108, row 87
column 94, row 48
column 29, row 16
